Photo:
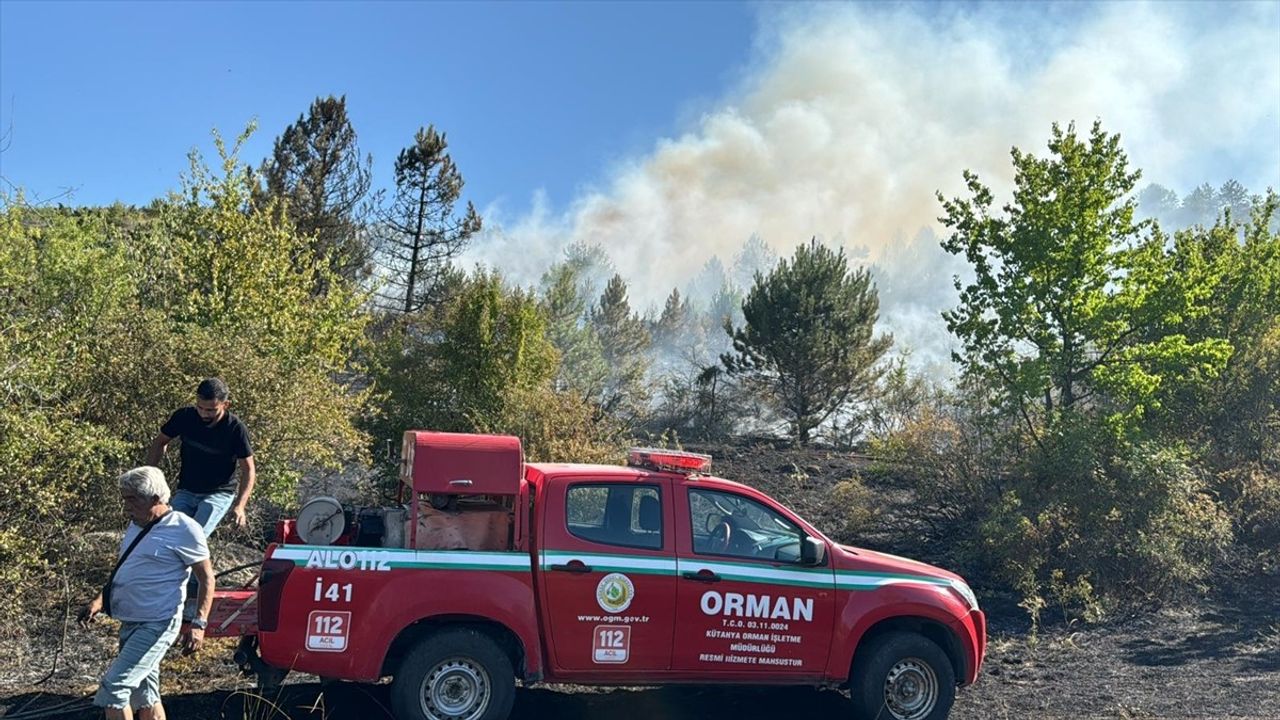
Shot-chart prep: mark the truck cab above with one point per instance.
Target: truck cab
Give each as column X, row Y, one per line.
column 650, row 573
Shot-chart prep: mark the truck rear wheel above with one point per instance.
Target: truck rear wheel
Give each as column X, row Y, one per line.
column 456, row 674
column 902, row 676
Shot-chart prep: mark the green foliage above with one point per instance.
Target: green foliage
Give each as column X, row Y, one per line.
column 484, row 363
column 1236, row 268
column 317, row 175
column 455, row 370
column 1126, row 355
column 1069, row 298
column 494, row 342
column 1081, row 522
column 560, row 427
column 112, row 317
column 1135, row 521
column 808, row 337
column 235, row 283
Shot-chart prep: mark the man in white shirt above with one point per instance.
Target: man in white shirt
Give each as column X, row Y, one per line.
column 147, row 591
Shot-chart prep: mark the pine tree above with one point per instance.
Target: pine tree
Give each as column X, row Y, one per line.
column 582, row 368
column 316, row 170
column 419, row 232
column 624, row 342
column 808, row 337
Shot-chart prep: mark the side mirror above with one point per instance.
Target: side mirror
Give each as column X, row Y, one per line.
column 812, row 551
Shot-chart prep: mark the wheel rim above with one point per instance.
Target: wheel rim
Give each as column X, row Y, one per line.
column 911, row 689
column 456, row 689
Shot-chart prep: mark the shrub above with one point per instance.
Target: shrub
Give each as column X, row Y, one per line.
column 1076, row 520
column 1252, row 494
column 111, row 317
column 483, row 363
column 855, row 505
column 1092, row 520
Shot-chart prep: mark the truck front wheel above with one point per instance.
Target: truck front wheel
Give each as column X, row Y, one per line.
column 457, row 674
column 902, row 676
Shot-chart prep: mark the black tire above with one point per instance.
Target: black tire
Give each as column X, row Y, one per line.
column 902, row 676
column 455, row 674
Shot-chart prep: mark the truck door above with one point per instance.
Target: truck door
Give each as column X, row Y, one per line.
column 745, row 604
column 608, row 574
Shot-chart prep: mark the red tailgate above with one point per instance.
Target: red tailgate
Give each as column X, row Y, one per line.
column 234, row 613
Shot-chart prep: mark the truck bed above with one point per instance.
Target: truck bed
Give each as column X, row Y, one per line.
column 234, row 613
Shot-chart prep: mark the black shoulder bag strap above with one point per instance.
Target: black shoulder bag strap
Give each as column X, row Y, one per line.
column 106, row 589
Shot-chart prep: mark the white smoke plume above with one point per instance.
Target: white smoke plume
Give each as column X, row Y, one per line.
column 853, row 116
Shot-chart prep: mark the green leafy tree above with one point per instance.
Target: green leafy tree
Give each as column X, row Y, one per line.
column 111, row 316
column 809, row 337
column 483, row 362
column 234, row 283
column 318, row 176
column 64, row 290
column 1069, row 298
column 457, row 369
column 494, row 342
column 419, row 233
column 1234, row 269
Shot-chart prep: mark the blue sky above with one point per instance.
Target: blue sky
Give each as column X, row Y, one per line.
column 107, row 98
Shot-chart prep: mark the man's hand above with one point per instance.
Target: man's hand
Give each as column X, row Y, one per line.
column 90, row 611
column 192, row 639
column 237, row 513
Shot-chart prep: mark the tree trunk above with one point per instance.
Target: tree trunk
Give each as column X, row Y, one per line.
column 417, row 245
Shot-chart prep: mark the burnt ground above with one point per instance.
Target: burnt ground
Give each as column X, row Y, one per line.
column 1215, row 656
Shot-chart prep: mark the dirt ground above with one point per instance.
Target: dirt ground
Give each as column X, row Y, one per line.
column 1215, row 657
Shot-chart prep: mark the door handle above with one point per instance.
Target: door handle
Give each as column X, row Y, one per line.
column 573, row 566
column 703, row 575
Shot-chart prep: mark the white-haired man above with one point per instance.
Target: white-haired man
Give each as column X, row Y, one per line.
column 146, row 592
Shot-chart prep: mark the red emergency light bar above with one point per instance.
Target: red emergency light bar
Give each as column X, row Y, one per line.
column 669, row 460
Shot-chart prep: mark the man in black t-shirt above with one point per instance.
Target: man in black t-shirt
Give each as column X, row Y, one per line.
column 214, row 443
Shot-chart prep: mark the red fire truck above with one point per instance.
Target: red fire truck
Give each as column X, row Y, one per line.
column 651, row 573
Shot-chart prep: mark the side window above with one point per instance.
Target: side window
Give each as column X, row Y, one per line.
column 624, row 514
column 735, row 526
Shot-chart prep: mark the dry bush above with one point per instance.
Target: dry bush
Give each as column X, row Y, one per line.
column 1252, row 493
column 857, row 508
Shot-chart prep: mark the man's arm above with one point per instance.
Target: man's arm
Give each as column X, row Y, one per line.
column 193, row 638
column 91, row 610
column 155, row 453
column 248, row 476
